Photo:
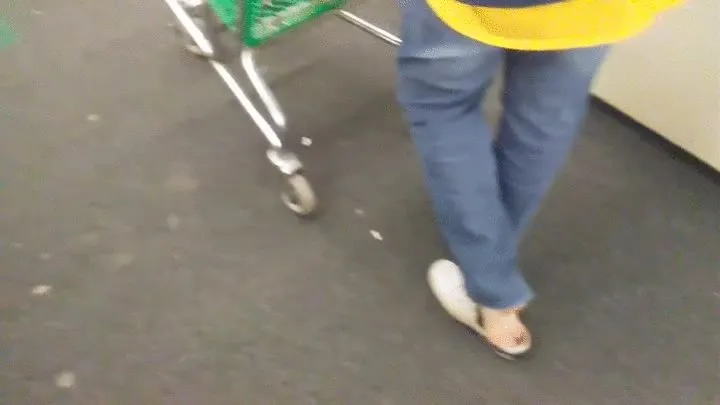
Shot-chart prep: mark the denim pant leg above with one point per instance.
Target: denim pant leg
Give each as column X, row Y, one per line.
column 545, row 102
column 443, row 78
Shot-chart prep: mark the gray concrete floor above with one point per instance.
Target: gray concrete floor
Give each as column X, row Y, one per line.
column 136, row 188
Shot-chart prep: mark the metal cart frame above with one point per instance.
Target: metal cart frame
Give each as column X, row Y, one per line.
column 199, row 26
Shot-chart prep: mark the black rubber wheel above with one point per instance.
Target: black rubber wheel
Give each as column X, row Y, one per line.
column 300, row 197
column 187, row 41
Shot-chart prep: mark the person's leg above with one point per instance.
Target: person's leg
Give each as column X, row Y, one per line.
column 545, row 101
column 443, row 77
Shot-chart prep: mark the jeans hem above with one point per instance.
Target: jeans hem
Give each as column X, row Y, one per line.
column 510, row 304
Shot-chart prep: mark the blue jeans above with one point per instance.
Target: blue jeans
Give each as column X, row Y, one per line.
column 486, row 189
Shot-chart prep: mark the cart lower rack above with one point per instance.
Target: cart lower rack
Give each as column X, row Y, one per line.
column 256, row 22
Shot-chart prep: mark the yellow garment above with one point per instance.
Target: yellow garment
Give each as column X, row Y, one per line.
column 564, row 25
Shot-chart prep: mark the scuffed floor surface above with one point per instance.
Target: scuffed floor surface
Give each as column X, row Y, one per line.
column 146, row 258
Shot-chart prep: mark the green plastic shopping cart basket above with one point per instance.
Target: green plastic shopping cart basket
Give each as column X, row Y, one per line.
column 256, row 22
column 262, row 20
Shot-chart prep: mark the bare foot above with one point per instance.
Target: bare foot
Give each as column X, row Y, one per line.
column 505, row 331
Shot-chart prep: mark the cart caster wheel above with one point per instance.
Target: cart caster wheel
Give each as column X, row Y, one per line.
column 187, row 41
column 300, row 197
column 197, row 10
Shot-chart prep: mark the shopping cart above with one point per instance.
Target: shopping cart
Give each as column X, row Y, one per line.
column 257, row 22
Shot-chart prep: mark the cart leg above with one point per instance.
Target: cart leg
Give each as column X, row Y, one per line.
column 370, row 28
column 247, row 57
column 199, row 14
column 299, row 197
